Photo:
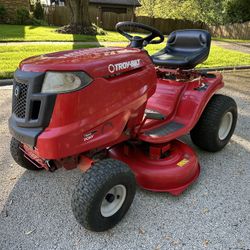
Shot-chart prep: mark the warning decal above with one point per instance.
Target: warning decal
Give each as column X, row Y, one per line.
column 183, row 162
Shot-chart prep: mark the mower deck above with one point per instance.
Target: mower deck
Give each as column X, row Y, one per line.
column 161, row 168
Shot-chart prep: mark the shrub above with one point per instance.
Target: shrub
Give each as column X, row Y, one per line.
column 238, row 11
column 3, row 14
column 22, row 16
column 38, row 11
column 38, row 22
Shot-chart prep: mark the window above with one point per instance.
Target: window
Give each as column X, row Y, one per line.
column 117, row 10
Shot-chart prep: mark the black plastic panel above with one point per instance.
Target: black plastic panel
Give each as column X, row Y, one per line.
column 31, row 109
column 165, row 129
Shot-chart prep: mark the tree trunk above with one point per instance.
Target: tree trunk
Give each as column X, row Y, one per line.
column 79, row 12
column 80, row 20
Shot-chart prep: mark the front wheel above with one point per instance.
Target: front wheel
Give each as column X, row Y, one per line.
column 103, row 195
column 216, row 125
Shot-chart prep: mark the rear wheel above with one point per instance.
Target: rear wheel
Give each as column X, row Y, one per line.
column 103, row 195
column 19, row 157
column 216, row 125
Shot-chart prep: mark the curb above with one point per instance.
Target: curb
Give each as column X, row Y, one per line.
column 7, row 82
column 225, row 68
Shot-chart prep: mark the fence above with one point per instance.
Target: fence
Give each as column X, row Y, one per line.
column 59, row 15
column 235, row 31
column 166, row 26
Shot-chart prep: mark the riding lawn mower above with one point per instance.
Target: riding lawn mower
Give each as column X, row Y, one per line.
column 116, row 114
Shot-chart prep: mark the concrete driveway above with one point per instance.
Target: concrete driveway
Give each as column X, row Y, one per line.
column 212, row 214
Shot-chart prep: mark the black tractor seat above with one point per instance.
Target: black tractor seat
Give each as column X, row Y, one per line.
column 185, row 49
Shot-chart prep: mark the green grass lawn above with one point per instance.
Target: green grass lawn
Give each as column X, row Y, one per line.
column 16, row 33
column 11, row 55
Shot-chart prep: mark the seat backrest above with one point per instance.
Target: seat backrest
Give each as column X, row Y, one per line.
column 189, row 40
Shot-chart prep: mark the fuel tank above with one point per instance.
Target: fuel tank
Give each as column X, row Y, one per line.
column 100, row 114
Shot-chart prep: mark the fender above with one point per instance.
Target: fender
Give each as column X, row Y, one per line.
column 192, row 102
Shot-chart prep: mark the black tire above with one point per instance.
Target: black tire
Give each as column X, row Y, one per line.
column 205, row 134
column 18, row 156
column 92, row 189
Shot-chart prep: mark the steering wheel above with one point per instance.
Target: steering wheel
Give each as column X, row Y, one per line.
column 137, row 41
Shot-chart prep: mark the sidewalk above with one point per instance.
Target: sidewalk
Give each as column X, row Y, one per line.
column 242, row 47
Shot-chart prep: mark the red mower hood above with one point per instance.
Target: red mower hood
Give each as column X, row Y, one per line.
column 97, row 62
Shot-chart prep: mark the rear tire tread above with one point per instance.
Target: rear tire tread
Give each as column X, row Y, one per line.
column 205, row 132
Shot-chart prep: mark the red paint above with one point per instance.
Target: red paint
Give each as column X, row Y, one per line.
column 111, row 109
column 162, row 175
column 85, row 163
column 105, row 106
column 94, row 61
column 180, row 102
column 33, row 156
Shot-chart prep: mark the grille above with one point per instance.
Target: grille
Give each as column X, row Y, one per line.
column 19, row 102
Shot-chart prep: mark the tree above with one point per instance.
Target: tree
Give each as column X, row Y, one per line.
column 38, row 11
column 80, row 20
column 210, row 11
column 237, row 11
column 148, row 7
column 207, row 11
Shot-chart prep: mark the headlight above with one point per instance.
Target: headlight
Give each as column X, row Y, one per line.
column 61, row 82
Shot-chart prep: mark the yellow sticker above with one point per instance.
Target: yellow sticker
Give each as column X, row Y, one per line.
column 183, row 162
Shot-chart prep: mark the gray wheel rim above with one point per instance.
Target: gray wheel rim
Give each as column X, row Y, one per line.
column 113, row 200
column 226, row 125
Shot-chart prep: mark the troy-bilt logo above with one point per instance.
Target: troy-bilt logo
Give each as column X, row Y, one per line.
column 124, row 65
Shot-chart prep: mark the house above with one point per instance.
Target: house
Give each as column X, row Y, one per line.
column 13, row 6
column 53, row 2
column 114, row 6
column 106, row 13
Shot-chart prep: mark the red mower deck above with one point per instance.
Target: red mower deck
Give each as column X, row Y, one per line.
column 171, row 173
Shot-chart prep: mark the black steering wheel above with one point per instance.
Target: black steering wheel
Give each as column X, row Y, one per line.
column 137, row 41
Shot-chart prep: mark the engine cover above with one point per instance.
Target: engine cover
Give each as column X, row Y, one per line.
column 100, row 114
column 97, row 62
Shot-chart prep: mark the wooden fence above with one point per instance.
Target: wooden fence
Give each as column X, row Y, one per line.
column 59, row 15
column 235, row 31
column 166, row 26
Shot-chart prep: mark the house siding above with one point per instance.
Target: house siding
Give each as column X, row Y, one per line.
column 13, row 5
